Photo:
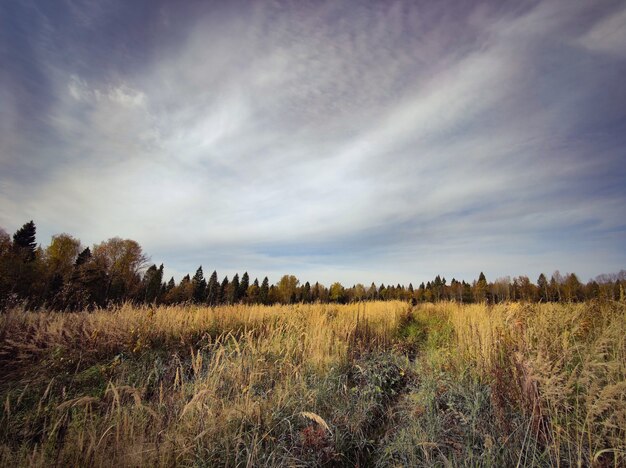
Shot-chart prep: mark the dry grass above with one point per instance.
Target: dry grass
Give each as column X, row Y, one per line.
column 373, row 383
column 523, row 384
column 178, row 385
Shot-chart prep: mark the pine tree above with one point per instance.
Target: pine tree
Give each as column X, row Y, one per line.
column 24, row 241
column 199, row 286
column 213, row 290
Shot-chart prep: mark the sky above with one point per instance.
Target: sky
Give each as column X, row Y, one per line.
column 353, row 141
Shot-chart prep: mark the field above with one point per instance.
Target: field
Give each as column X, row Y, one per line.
column 365, row 384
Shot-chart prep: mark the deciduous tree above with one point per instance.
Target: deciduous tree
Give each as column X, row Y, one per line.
column 287, row 288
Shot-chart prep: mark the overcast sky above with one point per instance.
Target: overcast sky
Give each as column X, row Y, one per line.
column 355, row 141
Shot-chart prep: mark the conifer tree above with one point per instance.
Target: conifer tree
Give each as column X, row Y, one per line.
column 222, row 298
column 24, row 241
column 382, row 292
column 306, row 293
column 480, row 293
column 55, row 289
column 199, row 286
column 233, row 291
column 315, row 292
column 160, row 274
column 542, row 284
column 253, row 293
column 213, row 290
column 152, row 283
column 243, row 286
column 372, row 292
column 184, row 290
column 83, row 257
column 264, row 291
column 87, row 285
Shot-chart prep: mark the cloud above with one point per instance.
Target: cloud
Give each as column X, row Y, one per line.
column 366, row 143
column 608, row 35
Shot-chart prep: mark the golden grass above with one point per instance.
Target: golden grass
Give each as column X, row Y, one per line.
column 313, row 384
column 562, row 366
column 221, row 377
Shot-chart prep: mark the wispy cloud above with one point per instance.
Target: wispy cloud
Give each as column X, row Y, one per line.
column 384, row 141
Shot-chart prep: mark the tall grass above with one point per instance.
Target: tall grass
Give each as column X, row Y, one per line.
column 180, row 385
column 518, row 384
column 375, row 383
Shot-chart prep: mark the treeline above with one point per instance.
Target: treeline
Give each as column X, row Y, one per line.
column 67, row 276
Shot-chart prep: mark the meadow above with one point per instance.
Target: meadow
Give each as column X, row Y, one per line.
column 364, row 384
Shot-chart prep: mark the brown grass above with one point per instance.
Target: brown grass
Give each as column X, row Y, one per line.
column 374, row 383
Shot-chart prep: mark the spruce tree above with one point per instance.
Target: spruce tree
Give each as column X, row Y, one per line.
column 199, row 286
column 306, row 292
column 542, row 285
column 372, row 292
column 148, row 284
column 243, row 286
column 54, row 293
column 83, row 257
column 223, row 291
column 87, row 285
column 160, row 275
column 265, row 291
column 213, row 290
column 480, row 293
column 315, row 292
column 152, row 283
column 24, row 241
column 382, row 292
column 233, row 296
